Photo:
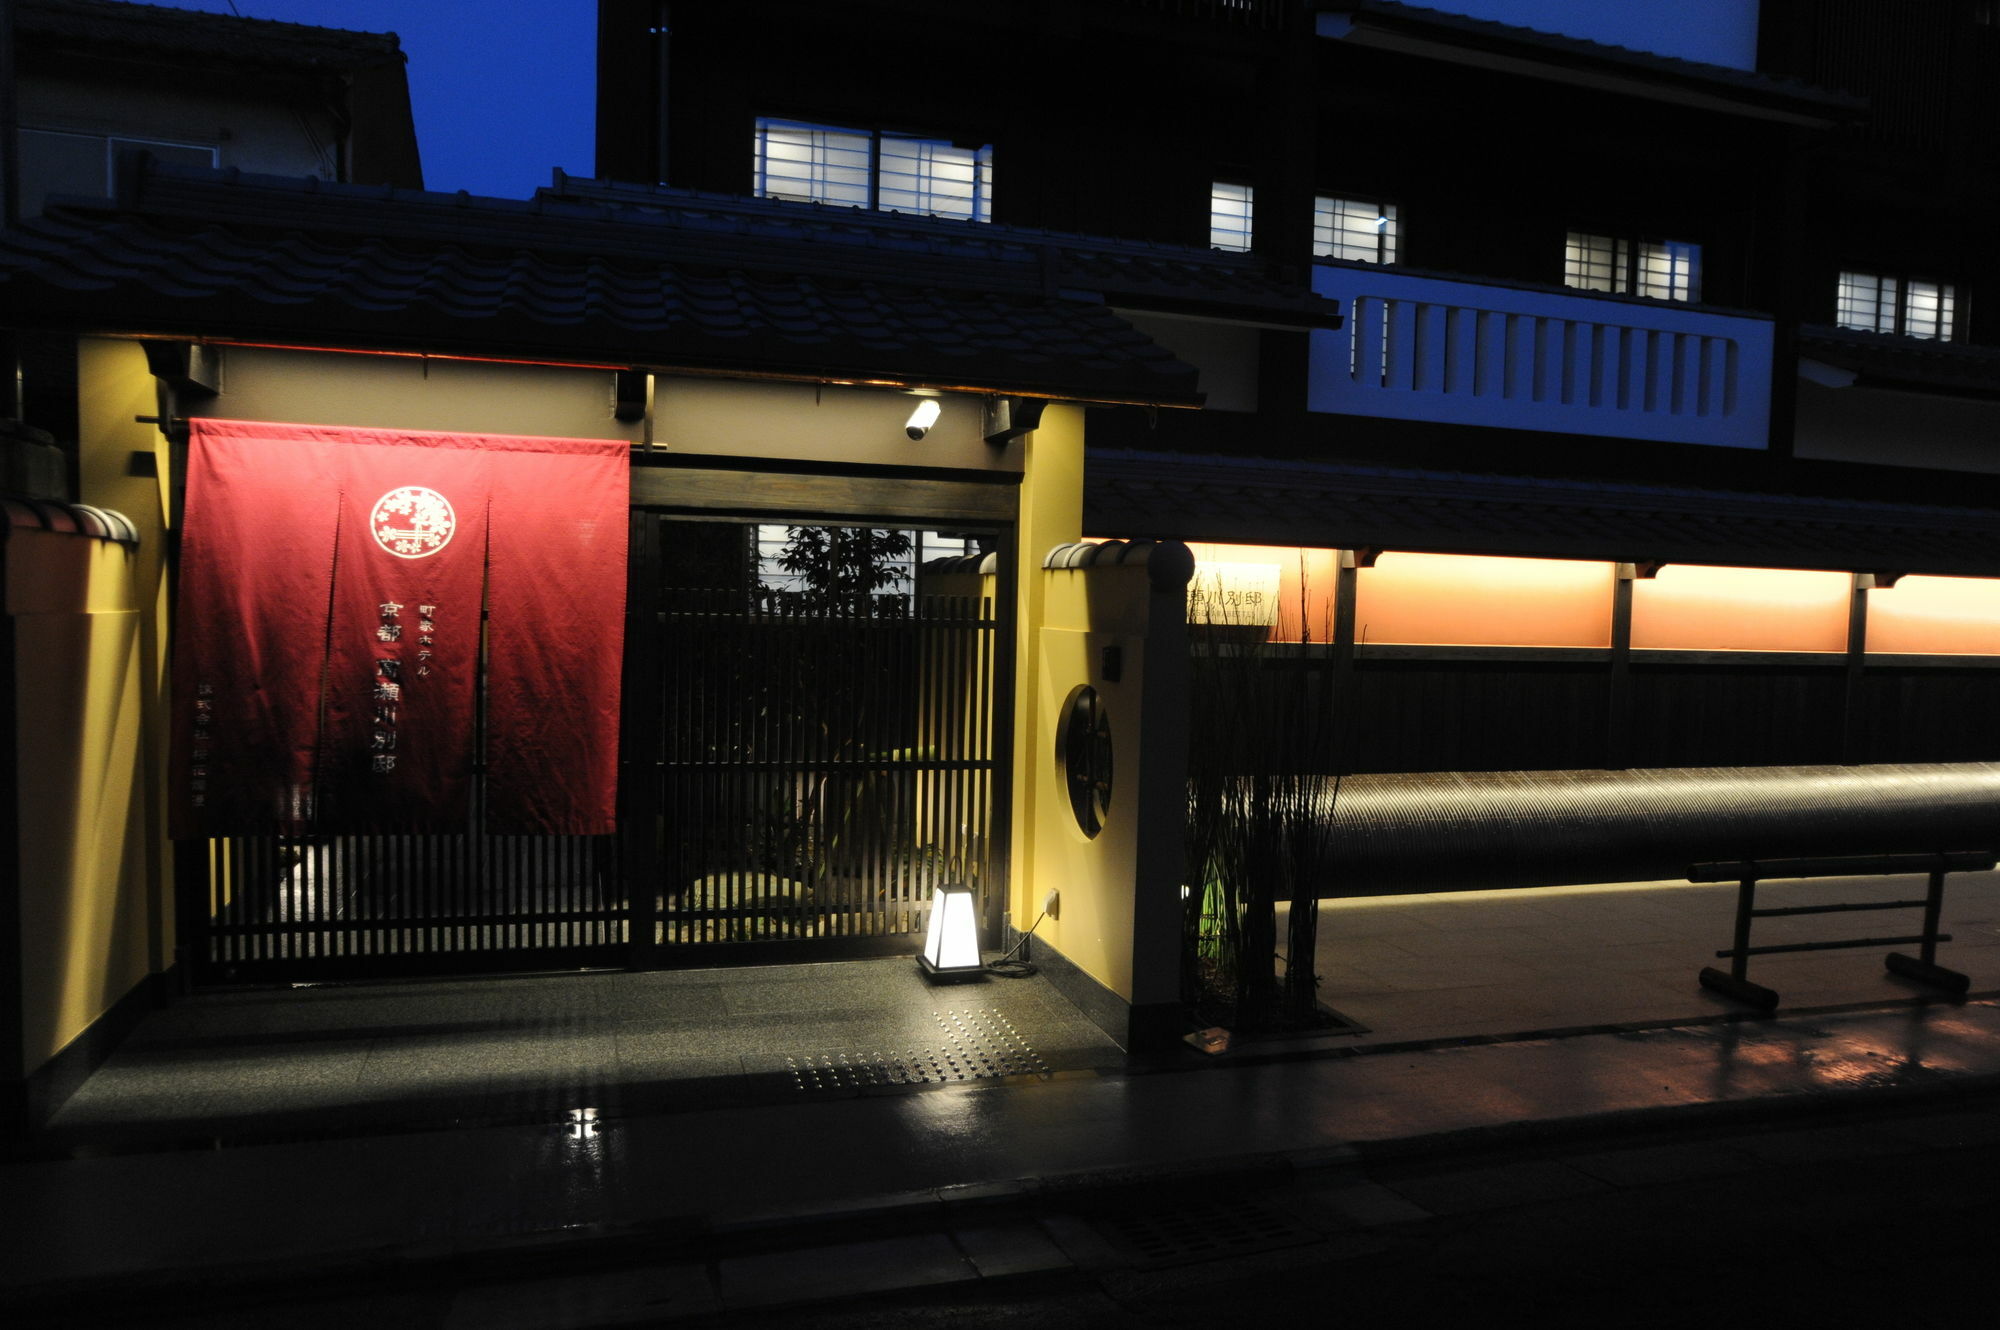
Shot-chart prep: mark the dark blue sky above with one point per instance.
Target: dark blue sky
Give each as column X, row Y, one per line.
column 503, row 89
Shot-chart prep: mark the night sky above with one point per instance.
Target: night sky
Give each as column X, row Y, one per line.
column 503, row 90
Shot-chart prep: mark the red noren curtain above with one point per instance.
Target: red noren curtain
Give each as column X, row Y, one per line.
column 327, row 665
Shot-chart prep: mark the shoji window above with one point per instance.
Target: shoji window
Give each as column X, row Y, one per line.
column 1229, row 208
column 1353, row 230
column 1875, row 302
column 1660, row 269
column 863, row 168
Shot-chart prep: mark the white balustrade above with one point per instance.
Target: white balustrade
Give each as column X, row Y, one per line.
column 1429, row 348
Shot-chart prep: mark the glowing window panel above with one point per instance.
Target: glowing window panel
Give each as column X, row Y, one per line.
column 1356, row 231
column 1595, row 263
column 1950, row 616
column 1695, row 608
column 1657, row 269
column 861, row 168
column 1878, row 302
column 1229, row 209
column 1472, row 600
column 936, row 179
column 813, row 164
column 1307, row 579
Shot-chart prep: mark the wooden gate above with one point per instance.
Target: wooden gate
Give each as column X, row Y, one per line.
column 824, row 738
column 808, row 750
column 273, row 909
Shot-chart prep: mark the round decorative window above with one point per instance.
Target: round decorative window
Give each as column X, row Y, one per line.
column 1083, row 747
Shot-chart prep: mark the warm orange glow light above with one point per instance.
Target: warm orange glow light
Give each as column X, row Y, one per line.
column 1306, row 581
column 1472, row 600
column 1936, row 615
column 1693, row 608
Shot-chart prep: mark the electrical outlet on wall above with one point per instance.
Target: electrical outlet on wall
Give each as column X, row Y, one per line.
column 1051, row 903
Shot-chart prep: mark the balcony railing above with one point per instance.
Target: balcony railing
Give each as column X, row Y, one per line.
column 1429, row 348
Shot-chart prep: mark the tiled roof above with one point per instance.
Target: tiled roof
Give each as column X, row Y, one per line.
column 155, row 31
column 1130, row 273
column 1909, row 362
column 677, row 280
column 1561, row 47
column 1166, row 495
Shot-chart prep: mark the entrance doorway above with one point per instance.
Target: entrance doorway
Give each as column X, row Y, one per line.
column 809, row 749
column 817, row 701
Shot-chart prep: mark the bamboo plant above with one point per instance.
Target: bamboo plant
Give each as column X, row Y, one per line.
column 1264, row 780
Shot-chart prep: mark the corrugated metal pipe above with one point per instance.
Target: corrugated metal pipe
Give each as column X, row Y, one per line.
column 1462, row 831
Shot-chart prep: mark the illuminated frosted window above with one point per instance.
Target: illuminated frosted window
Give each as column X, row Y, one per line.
column 1229, row 216
column 1659, row 269
column 1350, row 229
column 861, row 168
column 1873, row 302
column 939, row 179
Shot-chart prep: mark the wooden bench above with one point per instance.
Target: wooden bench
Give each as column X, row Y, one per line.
column 1922, row 967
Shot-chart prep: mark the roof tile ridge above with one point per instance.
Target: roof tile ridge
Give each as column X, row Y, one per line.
column 1630, row 54
column 1419, row 483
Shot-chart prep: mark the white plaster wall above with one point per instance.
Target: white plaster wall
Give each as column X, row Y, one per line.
column 1891, row 428
column 255, row 135
column 1224, row 355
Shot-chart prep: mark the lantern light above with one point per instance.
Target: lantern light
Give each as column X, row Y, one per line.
column 951, row 945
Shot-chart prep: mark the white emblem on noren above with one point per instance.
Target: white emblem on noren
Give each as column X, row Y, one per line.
column 412, row 522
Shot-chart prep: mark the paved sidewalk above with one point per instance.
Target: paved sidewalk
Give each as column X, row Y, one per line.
column 735, row 1205
column 666, row 1131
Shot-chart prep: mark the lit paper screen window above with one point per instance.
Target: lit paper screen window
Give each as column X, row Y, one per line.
column 1669, row 270
column 813, row 164
column 1352, row 230
column 1229, row 216
column 861, row 169
column 1874, row 302
column 1659, row 269
column 939, row 179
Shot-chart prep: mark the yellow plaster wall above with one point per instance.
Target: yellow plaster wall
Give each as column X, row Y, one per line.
column 115, row 387
column 1051, row 514
column 90, row 625
column 1118, row 920
column 1094, row 874
column 84, row 861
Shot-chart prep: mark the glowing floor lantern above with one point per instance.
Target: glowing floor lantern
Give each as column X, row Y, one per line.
column 951, row 947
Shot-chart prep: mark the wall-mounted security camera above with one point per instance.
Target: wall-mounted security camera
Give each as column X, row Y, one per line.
column 923, row 418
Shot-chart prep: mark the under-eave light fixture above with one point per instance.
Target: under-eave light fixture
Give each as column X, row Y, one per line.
column 951, row 944
column 921, row 419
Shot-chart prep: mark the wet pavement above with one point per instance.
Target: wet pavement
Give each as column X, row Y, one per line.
column 891, row 1185
column 241, row 1067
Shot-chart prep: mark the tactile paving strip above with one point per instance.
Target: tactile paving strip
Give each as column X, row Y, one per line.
column 968, row 1046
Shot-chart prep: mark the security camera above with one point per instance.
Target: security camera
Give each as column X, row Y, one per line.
column 922, row 418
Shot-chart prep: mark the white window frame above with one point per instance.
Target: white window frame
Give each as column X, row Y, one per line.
column 871, row 168
column 1231, row 216
column 108, row 146
column 1898, row 305
column 1356, row 230
column 1622, row 265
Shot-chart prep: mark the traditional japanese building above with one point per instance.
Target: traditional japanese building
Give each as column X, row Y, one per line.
column 1657, row 435
column 713, row 560
column 620, row 577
